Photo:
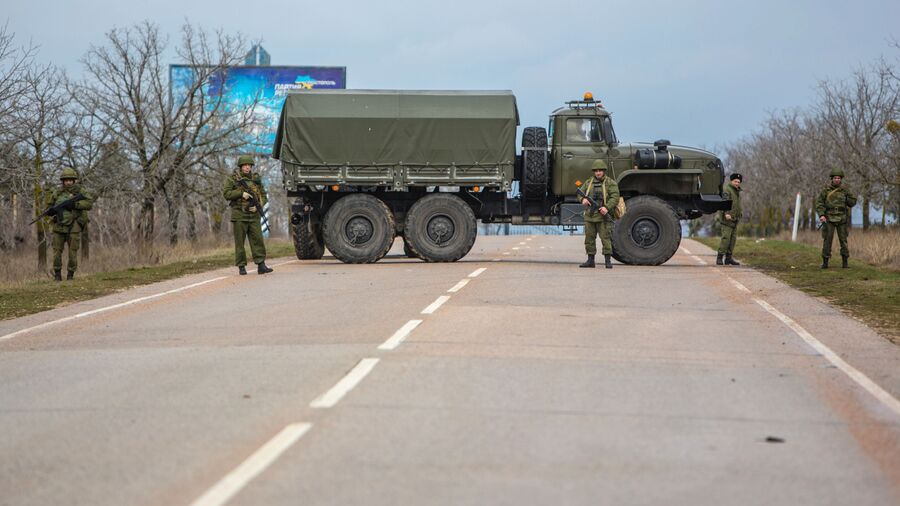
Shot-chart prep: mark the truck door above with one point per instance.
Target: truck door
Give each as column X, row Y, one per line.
column 582, row 143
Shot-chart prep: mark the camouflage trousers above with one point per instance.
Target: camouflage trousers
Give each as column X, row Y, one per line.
column 594, row 228
column 60, row 241
column 729, row 237
column 252, row 232
column 828, row 229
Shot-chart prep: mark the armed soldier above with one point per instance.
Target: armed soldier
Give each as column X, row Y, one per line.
column 728, row 220
column 246, row 195
column 67, row 207
column 598, row 220
column 833, row 207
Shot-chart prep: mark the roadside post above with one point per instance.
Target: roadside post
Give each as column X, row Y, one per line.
column 796, row 218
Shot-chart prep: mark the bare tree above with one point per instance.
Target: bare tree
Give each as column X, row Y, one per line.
column 35, row 119
column 163, row 135
column 854, row 117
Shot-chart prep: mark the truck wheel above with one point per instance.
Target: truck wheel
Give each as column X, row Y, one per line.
column 440, row 228
column 359, row 229
column 534, row 163
column 308, row 242
column 407, row 250
column 648, row 234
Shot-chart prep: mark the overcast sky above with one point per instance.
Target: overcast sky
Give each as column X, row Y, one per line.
column 702, row 73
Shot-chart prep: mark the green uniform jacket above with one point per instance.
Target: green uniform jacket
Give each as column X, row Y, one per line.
column 595, row 188
column 834, row 202
column 736, row 212
column 70, row 220
column 233, row 193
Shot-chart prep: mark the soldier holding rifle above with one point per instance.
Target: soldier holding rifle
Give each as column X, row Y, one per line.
column 833, row 207
column 67, row 207
column 246, row 195
column 599, row 196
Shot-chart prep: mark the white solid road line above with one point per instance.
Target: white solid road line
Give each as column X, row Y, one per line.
column 861, row 379
column 285, row 263
column 345, row 385
column 436, row 304
column 400, row 335
column 236, row 480
column 459, row 286
column 108, row 308
column 695, row 257
column 737, row 284
column 477, row 272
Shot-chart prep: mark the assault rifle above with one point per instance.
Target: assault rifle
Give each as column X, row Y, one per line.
column 54, row 210
column 254, row 202
column 595, row 206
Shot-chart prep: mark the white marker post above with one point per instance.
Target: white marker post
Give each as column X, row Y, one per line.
column 796, row 218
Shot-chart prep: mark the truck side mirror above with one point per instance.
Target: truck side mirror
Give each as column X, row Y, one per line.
column 608, row 134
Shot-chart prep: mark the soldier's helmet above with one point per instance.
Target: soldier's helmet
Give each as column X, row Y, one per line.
column 68, row 173
column 245, row 160
column 599, row 165
column 836, row 171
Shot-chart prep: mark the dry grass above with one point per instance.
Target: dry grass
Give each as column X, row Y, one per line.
column 20, row 267
column 876, row 246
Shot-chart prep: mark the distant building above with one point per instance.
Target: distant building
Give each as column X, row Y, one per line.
column 257, row 56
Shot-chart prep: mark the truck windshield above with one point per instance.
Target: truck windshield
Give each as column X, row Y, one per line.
column 583, row 130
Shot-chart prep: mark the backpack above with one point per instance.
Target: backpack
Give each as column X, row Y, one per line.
column 618, row 211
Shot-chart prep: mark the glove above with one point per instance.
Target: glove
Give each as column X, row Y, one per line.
column 252, row 209
column 246, row 196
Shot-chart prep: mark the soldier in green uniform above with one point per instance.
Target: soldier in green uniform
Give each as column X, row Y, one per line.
column 605, row 191
column 728, row 221
column 69, row 221
column 833, row 207
column 242, row 190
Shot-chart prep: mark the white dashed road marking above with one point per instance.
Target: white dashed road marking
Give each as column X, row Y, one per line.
column 459, row 286
column 345, row 385
column 109, row 308
column 477, row 272
column 234, row 481
column 436, row 304
column 400, row 335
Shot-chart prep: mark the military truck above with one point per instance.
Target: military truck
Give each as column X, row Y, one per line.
column 366, row 166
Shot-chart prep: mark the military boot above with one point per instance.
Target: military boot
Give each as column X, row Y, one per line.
column 57, row 275
column 589, row 262
column 70, row 275
column 262, row 268
column 824, row 262
column 844, row 261
column 608, row 261
column 719, row 259
column 731, row 261
column 242, row 270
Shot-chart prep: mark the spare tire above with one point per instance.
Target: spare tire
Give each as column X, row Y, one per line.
column 648, row 234
column 535, row 173
column 359, row 229
column 440, row 227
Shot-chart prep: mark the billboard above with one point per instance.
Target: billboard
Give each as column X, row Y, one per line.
column 265, row 85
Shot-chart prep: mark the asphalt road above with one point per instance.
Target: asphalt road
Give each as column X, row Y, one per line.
column 511, row 377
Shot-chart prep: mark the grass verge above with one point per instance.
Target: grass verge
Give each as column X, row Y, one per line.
column 869, row 293
column 37, row 296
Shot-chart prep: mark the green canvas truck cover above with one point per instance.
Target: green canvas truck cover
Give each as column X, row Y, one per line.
column 397, row 128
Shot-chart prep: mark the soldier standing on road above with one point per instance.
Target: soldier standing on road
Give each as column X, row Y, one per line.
column 603, row 190
column 245, row 192
column 69, row 221
column 728, row 220
column 833, row 207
